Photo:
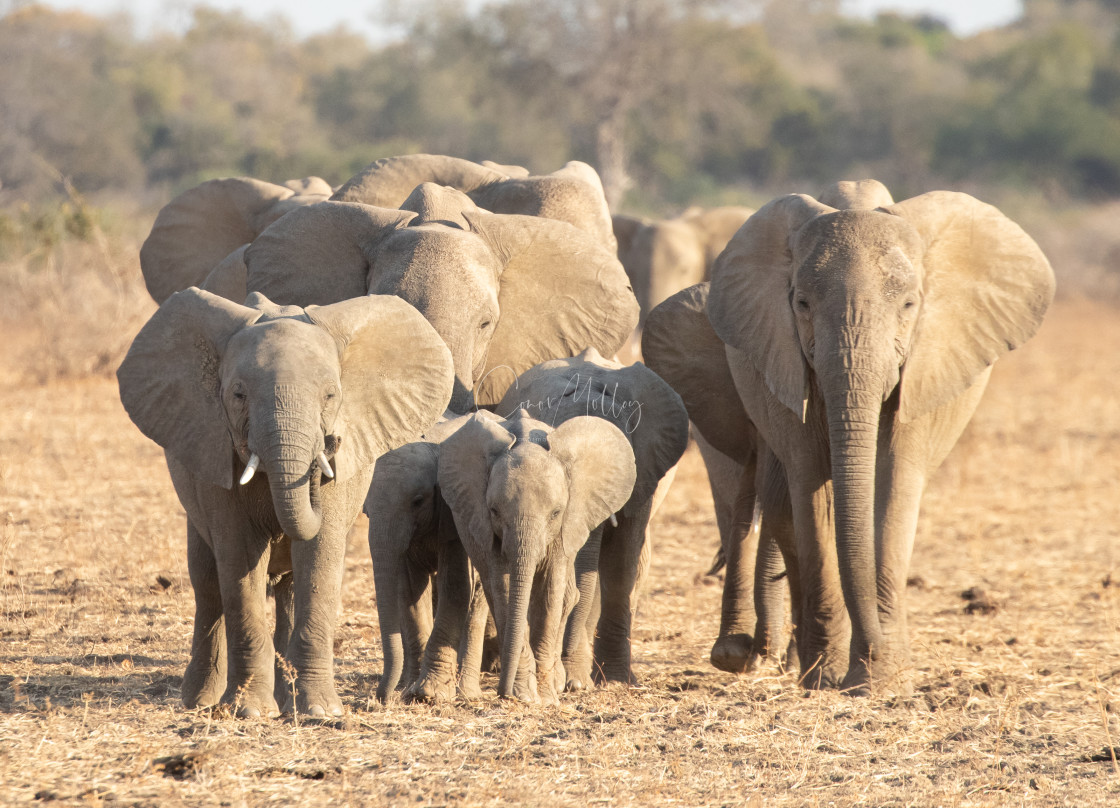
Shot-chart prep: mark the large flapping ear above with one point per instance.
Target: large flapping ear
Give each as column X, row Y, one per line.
column 229, row 278
column 170, row 383
column 716, row 226
column 387, row 182
column 200, row 227
column 986, row 286
column 439, row 204
column 601, row 473
column 560, row 292
column 396, row 375
column 311, row 187
column 680, row 345
column 856, row 195
column 465, row 458
column 633, row 398
column 749, row 302
column 319, row 254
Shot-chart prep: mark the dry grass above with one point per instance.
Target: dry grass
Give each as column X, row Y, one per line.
column 1012, row 702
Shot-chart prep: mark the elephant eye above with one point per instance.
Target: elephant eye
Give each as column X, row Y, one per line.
column 556, row 513
column 417, row 500
column 802, row 304
column 484, row 325
column 909, row 304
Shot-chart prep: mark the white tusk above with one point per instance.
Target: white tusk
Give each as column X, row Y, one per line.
column 614, row 520
column 325, row 465
column 250, row 468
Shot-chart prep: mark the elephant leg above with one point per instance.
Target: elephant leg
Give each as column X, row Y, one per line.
column 546, row 615
column 470, row 649
column 620, row 566
column 732, row 649
column 823, row 628
column 242, row 562
column 724, row 476
column 439, row 670
column 284, row 596
column 205, row 677
column 581, row 622
column 416, row 623
column 776, row 542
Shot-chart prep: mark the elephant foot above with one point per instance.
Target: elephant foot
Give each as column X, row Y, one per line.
column 734, row 653
column 202, row 689
column 881, row 678
column 526, row 690
column 577, row 675
column 314, row 701
column 823, row 673
column 614, row 675
column 247, row 703
column 469, row 688
column 431, row 687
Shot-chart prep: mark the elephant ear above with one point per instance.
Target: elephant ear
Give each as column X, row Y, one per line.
column 170, row 382
column 387, row 182
column 560, row 292
column 319, row 254
column 200, row 227
column 311, row 187
column 633, row 398
column 986, row 287
column 465, row 458
column 625, row 228
column 229, row 278
column 749, row 303
column 601, row 474
column 396, row 376
column 679, row 344
column 508, row 170
column 439, row 204
column 856, row 195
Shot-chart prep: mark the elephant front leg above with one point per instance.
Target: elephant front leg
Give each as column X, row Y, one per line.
column 581, row 622
column 242, row 565
column 546, row 617
column 620, row 561
column 317, row 574
column 471, row 646
column 205, row 677
column 823, row 628
column 732, row 649
column 284, row 596
column 776, row 564
column 438, row 672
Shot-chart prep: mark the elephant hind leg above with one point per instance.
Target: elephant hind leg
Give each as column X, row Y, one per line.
column 284, row 597
column 733, row 647
column 205, row 678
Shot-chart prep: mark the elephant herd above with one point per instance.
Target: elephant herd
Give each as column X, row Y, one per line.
column 431, row 343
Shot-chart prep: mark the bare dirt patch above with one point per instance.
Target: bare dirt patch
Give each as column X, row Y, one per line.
column 1012, row 705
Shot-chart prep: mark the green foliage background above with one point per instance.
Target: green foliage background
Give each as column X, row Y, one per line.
column 675, row 101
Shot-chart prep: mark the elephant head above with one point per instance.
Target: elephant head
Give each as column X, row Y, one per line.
column 306, row 394
column 904, row 306
column 504, row 291
column 521, row 492
column 664, row 256
column 200, row 227
column 633, row 398
column 573, row 194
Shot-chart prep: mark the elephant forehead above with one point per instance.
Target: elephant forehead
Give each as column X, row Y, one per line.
column 852, row 245
column 283, row 348
column 437, row 248
column 525, row 472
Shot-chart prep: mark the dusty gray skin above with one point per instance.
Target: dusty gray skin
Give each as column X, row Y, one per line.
column 525, row 498
column 314, row 396
column 860, row 342
column 611, row 565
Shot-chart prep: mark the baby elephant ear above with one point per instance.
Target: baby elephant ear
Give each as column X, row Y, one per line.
column 396, row 375
column 170, row 381
column 319, row 254
column 749, row 303
column 680, row 345
column 465, row 458
column 200, row 227
column 856, row 195
column 228, row 279
column 560, row 292
column 601, row 474
column 986, row 287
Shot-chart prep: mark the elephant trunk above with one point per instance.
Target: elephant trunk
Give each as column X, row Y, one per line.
column 516, row 617
column 853, row 400
column 388, row 571
column 288, row 457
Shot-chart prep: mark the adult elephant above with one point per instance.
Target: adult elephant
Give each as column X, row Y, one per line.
column 860, row 342
column 572, row 194
column 310, row 397
column 661, row 257
column 203, row 225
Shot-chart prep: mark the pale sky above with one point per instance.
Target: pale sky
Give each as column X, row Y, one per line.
column 313, row 16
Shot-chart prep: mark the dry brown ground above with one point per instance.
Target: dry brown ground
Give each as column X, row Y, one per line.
column 1011, row 706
